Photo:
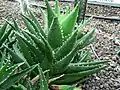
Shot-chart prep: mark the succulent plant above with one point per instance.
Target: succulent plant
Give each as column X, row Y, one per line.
column 59, row 47
column 9, row 74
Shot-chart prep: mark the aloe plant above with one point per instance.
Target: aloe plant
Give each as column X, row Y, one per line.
column 59, row 47
column 9, row 74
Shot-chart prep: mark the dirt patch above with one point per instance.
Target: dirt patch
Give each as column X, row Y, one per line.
column 8, row 8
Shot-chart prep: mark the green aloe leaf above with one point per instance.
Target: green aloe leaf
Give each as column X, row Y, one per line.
column 44, row 17
column 29, row 85
column 90, row 63
column 38, row 55
column 3, row 29
column 64, row 62
column 50, row 12
column 74, row 88
column 45, row 65
column 37, row 24
column 54, row 34
column 85, row 39
column 43, row 81
column 71, row 78
column 25, row 50
column 67, row 10
column 69, row 22
column 12, row 26
column 33, row 25
column 29, row 26
column 18, row 87
column 6, row 71
column 15, row 78
column 85, row 56
column 66, row 47
column 5, row 36
column 75, row 68
column 82, row 25
column 17, row 58
column 62, row 17
column 82, row 56
column 57, row 8
column 39, row 43
column 48, row 49
column 29, row 39
column 91, row 40
column 68, row 87
column 16, row 25
column 44, row 46
column 2, row 58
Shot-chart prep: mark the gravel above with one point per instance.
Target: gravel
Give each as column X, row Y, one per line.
column 106, row 47
column 106, row 44
column 8, row 8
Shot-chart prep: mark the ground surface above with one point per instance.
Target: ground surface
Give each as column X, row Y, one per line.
column 106, row 44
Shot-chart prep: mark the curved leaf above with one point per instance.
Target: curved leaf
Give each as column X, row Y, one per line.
column 3, row 29
column 14, row 78
column 71, row 78
column 37, row 24
column 66, row 47
column 69, row 22
column 50, row 13
column 54, row 34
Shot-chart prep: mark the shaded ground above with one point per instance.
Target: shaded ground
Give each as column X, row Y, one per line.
column 106, row 44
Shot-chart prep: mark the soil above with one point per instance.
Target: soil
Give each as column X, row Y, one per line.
column 106, row 45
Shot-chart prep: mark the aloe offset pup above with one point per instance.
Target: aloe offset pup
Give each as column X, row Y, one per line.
column 58, row 47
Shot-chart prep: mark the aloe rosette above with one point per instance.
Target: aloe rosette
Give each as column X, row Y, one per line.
column 59, row 47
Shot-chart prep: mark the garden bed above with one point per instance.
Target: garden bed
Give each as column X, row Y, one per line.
column 106, row 43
